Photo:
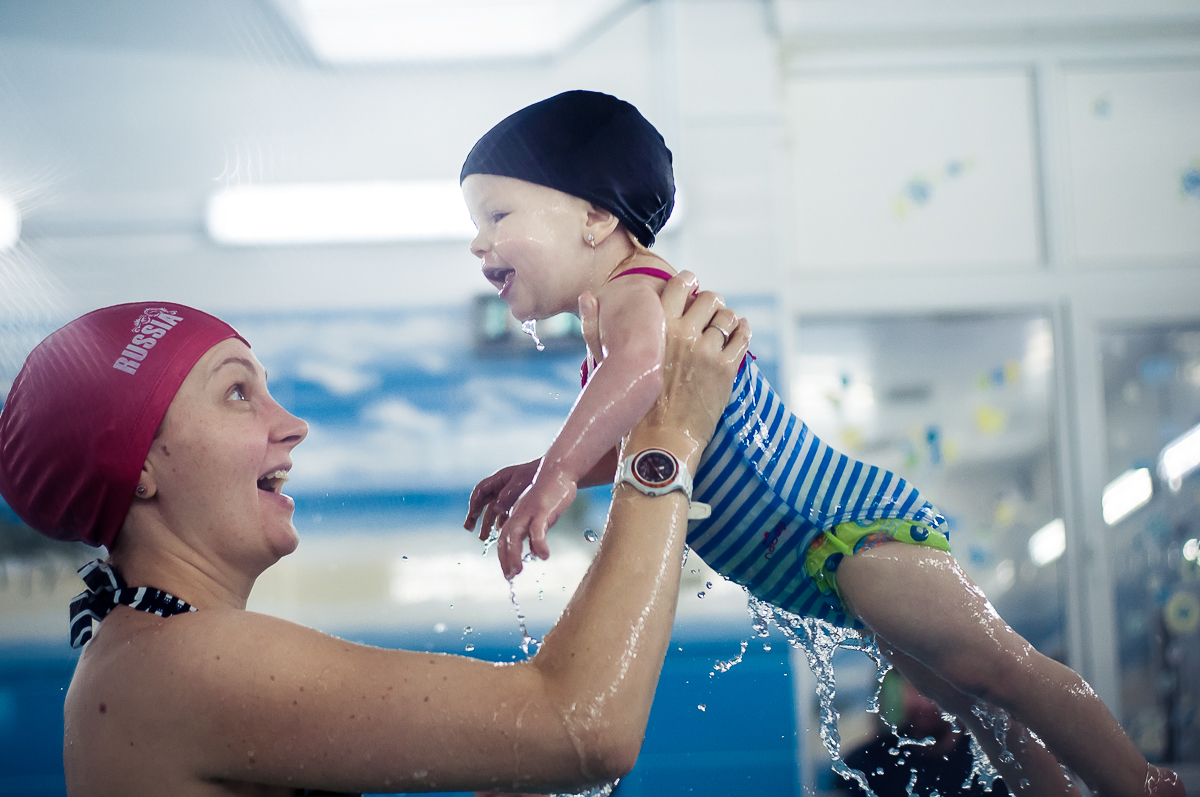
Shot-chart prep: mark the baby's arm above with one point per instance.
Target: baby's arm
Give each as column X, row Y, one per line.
column 494, row 496
column 619, row 393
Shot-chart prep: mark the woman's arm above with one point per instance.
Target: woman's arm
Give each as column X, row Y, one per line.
column 267, row 701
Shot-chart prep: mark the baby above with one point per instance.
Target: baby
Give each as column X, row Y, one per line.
column 568, row 195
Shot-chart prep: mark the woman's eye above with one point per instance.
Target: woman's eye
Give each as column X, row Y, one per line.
column 237, row 394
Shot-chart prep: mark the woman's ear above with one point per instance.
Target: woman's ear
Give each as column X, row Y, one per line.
column 599, row 225
column 146, row 487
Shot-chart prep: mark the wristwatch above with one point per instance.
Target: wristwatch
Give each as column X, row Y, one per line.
column 656, row 471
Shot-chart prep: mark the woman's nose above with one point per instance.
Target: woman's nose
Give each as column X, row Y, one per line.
column 290, row 429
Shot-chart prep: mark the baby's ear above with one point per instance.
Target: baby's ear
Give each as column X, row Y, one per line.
column 600, row 223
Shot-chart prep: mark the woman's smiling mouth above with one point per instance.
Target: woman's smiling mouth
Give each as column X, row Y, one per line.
column 273, row 482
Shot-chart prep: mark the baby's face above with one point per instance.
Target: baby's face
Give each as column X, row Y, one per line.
column 531, row 242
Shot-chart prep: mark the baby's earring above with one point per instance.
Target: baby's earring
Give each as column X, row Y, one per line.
column 591, row 239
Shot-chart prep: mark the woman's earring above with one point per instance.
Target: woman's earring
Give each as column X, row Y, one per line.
column 591, row 239
column 141, row 489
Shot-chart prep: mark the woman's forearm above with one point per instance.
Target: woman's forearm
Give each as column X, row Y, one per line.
column 601, row 662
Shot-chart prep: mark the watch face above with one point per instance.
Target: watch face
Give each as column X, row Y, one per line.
column 654, row 468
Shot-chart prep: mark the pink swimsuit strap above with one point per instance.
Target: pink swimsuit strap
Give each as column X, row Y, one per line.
column 649, row 271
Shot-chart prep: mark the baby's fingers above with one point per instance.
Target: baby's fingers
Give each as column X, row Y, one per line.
column 481, row 496
column 509, row 548
column 537, row 538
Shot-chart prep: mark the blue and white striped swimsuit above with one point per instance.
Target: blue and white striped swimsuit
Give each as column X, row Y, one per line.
column 773, row 487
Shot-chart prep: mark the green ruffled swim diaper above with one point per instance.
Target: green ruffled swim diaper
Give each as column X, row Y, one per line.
column 826, row 552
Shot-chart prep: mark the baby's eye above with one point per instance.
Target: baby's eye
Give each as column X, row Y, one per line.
column 497, row 216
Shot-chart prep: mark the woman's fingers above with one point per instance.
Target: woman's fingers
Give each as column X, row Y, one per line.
column 738, row 344
column 676, row 293
column 697, row 317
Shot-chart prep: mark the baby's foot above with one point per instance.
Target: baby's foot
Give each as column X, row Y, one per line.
column 1162, row 782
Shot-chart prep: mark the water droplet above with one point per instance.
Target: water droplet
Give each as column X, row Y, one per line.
column 467, row 629
column 1023, row 783
column 708, row 585
column 530, row 328
column 700, row 594
column 878, row 770
column 589, row 535
column 702, row 707
column 767, row 647
column 469, row 648
column 405, row 558
column 695, row 572
column 439, row 628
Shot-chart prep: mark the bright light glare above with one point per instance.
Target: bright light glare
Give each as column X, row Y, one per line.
column 1191, row 549
column 1129, row 491
column 1179, row 458
column 359, row 31
column 312, row 213
column 10, row 223
column 1048, row 543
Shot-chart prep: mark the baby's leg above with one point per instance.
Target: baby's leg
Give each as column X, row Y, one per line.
column 923, row 604
column 1030, row 761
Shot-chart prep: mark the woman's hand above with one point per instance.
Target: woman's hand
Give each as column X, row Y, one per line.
column 698, row 370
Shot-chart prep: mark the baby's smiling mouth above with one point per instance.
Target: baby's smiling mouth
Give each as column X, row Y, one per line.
column 273, row 482
column 500, row 276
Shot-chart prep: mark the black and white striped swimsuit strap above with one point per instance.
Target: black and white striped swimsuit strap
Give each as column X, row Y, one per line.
column 105, row 589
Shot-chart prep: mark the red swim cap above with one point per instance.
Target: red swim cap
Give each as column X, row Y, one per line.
column 81, row 416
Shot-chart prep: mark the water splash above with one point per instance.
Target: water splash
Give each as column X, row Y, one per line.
column 490, row 542
column 997, row 721
column 818, row 640
column 727, row 665
column 598, row 791
column 982, row 770
column 529, row 645
column 530, row 328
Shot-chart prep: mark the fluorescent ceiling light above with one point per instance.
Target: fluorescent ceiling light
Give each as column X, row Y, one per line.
column 312, row 213
column 1180, row 457
column 1129, row 491
column 1048, row 543
column 10, row 223
column 366, row 31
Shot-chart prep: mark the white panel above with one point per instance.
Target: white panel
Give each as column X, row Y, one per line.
column 1135, row 163
column 913, row 170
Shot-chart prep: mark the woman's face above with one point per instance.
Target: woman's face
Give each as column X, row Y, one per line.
column 220, row 460
column 531, row 242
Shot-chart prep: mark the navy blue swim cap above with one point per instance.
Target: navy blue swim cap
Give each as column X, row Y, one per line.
column 589, row 145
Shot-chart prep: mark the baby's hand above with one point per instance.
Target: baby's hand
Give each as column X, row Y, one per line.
column 496, row 494
column 536, row 511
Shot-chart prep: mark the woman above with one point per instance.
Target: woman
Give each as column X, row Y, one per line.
column 211, row 699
